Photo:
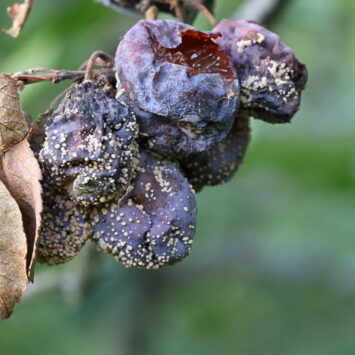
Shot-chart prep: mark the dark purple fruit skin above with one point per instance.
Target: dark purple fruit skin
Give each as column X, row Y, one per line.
column 164, row 203
column 270, row 75
column 90, row 144
column 170, row 203
column 64, row 228
column 166, row 89
column 219, row 164
column 121, row 231
column 169, row 139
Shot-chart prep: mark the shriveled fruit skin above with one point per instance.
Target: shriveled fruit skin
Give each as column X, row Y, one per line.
column 173, row 72
column 219, row 164
column 64, row 228
column 154, row 225
column 121, row 231
column 170, row 140
column 90, row 145
column 270, row 75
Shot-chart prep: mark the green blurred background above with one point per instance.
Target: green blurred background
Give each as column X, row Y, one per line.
column 272, row 269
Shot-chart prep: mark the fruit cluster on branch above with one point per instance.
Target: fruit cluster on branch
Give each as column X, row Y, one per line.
column 122, row 161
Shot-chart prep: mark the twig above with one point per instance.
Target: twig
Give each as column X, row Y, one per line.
column 261, row 11
column 100, row 62
column 35, row 71
column 108, row 60
column 55, row 76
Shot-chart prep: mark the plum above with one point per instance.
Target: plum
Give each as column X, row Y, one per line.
column 270, row 75
column 219, row 164
column 181, row 81
column 64, row 229
column 90, row 145
column 154, row 224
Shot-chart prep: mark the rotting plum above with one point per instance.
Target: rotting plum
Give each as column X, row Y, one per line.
column 64, row 228
column 121, row 231
column 270, row 75
column 181, row 77
column 219, row 164
column 90, row 145
column 163, row 136
column 154, row 224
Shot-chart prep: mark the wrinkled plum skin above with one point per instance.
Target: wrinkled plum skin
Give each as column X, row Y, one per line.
column 219, row 164
column 163, row 136
column 64, row 228
column 90, row 143
column 155, row 225
column 201, row 103
column 270, row 75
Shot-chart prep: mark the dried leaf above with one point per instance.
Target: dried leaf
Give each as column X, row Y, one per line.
column 21, row 174
column 18, row 14
column 13, row 250
column 13, row 125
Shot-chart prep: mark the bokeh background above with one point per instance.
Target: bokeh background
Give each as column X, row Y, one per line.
column 272, row 269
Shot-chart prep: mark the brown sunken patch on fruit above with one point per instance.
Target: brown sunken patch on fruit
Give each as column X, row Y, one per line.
column 197, row 51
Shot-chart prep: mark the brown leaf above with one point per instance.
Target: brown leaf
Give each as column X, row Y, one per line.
column 13, row 250
column 18, row 14
column 21, row 174
column 13, row 125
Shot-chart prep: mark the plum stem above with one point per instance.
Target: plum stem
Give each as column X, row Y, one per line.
column 108, row 61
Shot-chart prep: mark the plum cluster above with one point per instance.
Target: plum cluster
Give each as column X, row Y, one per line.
column 123, row 170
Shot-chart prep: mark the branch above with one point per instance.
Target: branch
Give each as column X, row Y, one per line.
column 55, row 76
column 98, row 55
column 261, row 11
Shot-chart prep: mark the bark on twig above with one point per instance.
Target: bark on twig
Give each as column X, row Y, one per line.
column 55, row 76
